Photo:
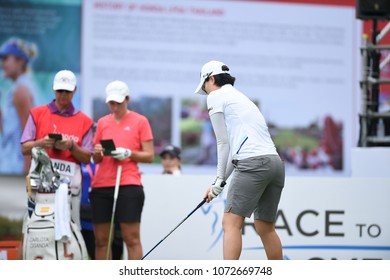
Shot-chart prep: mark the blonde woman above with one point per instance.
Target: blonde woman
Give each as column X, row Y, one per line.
column 16, row 56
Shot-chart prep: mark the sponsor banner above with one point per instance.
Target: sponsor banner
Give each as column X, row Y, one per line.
column 298, row 66
column 319, row 218
column 50, row 33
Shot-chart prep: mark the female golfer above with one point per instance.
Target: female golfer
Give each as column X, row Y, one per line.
column 245, row 145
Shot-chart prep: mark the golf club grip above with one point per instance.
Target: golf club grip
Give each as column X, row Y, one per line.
column 197, row 207
column 192, row 212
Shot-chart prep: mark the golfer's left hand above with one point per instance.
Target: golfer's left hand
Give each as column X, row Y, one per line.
column 215, row 189
column 121, row 153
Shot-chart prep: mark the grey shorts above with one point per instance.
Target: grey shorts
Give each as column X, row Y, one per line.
column 256, row 187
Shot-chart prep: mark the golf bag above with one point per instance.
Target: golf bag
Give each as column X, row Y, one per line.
column 50, row 234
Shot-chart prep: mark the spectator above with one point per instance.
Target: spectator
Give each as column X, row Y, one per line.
column 170, row 160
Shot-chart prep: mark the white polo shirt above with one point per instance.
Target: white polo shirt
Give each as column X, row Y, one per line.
column 246, row 127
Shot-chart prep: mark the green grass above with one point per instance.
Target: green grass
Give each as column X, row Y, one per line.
column 190, row 125
column 291, row 138
column 10, row 229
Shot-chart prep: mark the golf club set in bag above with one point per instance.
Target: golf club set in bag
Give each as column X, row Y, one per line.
column 49, row 232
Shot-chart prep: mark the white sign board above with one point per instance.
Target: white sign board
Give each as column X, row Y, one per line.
column 297, row 62
column 319, row 218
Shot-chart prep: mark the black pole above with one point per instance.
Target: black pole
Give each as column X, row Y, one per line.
column 375, row 68
column 373, row 104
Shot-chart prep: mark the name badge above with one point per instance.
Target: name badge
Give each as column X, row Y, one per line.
column 65, row 168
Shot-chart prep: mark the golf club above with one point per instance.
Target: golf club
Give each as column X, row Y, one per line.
column 192, row 212
column 116, row 191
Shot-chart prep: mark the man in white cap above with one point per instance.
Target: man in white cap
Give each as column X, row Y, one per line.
column 133, row 139
column 245, row 146
column 65, row 132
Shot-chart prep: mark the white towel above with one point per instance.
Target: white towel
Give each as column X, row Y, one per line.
column 62, row 214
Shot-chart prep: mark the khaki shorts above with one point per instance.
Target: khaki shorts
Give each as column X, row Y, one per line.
column 256, row 187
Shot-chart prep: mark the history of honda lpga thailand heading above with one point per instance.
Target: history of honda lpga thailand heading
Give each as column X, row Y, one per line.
column 241, row 271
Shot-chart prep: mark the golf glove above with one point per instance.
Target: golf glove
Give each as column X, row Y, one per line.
column 121, row 153
column 217, row 187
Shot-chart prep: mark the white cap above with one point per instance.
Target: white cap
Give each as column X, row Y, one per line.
column 65, row 80
column 116, row 91
column 211, row 68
